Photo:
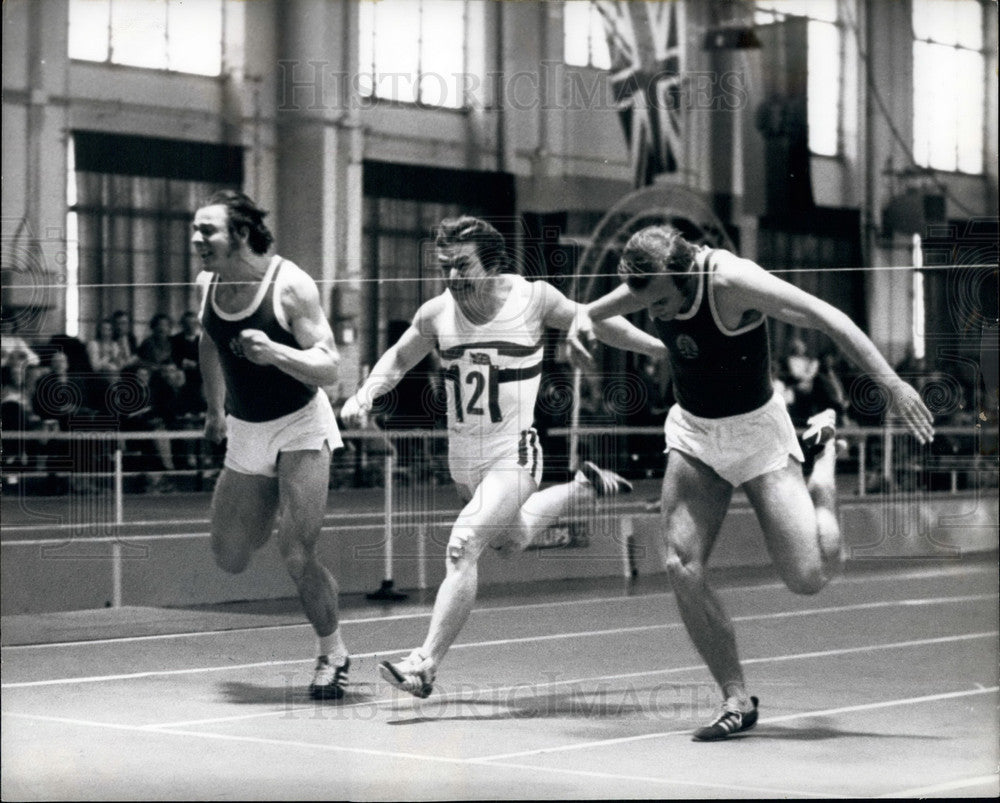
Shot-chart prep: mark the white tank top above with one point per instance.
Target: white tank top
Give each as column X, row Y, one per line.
column 492, row 371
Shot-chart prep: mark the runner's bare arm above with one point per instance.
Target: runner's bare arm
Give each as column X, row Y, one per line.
column 744, row 285
column 214, row 388
column 315, row 362
column 413, row 345
column 618, row 332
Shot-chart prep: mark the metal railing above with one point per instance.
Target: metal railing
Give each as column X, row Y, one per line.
column 876, row 452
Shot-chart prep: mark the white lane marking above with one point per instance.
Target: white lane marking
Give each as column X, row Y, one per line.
column 769, row 720
column 921, row 575
column 950, row 786
column 498, row 642
column 501, row 761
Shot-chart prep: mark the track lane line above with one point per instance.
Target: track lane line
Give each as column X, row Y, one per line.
column 921, row 575
column 504, row 642
column 850, row 709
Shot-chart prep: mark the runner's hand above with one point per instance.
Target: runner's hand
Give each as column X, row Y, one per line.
column 353, row 414
column 215, row 427
column 907, row 405
column 579, row 339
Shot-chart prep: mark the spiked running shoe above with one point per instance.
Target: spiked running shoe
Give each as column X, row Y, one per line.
column 820, row 430
column 727, row 723
column 329, row 681
column 413, row 675
column 604, row 481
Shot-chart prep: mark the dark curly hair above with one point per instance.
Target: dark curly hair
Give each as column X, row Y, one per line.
column 490, row 246
column 653, row 251
column 244, row 216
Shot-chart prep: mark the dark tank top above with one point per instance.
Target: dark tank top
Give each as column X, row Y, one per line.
column 716, row 373
column 255, row 392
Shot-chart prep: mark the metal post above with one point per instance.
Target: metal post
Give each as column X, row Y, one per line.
column 574, row 422
column 116, row 547
column 386, row 591
column 862, row 461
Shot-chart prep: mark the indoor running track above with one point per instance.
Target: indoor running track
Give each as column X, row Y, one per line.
column 885, row 684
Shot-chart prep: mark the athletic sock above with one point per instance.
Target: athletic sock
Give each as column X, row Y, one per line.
column 333, row 647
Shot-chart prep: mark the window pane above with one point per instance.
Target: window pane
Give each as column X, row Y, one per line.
column 584, row 41
column 88, row 29
column 195, row 36
column 139, row 33
column 824, row 88
column 948, row 93
column 576, row 30
column 600, row 56
column 397, row 31
column 951, row 22
column 443, row 52
column 970, row 92
column 366, row 46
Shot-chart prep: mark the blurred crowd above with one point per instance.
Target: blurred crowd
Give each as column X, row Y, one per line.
column 114, row 380
column 111, row 381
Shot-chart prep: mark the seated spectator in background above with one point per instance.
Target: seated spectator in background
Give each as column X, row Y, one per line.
column 62, row 395
column 800, row 366
column 157, row 351
column 66, row 400
column 74, row 351
column 185, row 352
column 106, row 354
column 181, row 407
column 145, row 413
column 122, row 323
column 16, row 392
column 11, row 343
column 829, row 388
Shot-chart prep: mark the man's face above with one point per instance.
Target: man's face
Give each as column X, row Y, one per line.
column 662, row 298
column 210, row 236
column 463, row 272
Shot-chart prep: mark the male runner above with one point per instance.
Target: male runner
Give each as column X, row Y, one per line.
column 730, row 429
column 267, row 350
column 488, row 328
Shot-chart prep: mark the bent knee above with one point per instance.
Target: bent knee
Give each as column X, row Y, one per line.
column 232, row 561
column 807, row 583
column 684, row 568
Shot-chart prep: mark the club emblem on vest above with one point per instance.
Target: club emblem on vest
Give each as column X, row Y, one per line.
column 686, row 346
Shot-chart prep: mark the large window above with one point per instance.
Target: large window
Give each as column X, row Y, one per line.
column 157, row 34
column 585, row 43
column 824, row 66
column 414, row 51
column 949, row 90
column 131, row 202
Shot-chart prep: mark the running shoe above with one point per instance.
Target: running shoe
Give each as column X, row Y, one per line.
column 604, row 481
column 728, row 722
column 329, row 681
column 820, row 430
column 413, row 674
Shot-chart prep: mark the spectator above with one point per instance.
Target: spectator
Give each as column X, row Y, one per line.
column 11, row 343
column 146, row 414
column 800, row 366
column 830, row 390
column 18, row 416
column 122, row 323
column 74, row 351
column 107, row 357
column 156, row 351
column 63, row 399
column 184, row 346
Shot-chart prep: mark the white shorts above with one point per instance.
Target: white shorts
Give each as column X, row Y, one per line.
column 737, row 447
column 253, row 446
column 469, row 460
